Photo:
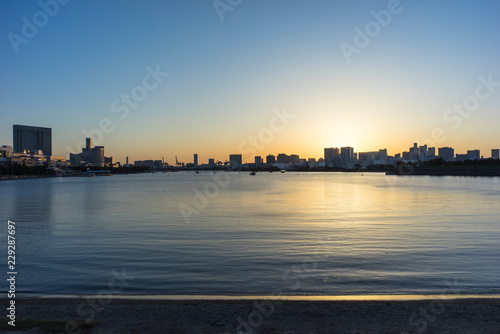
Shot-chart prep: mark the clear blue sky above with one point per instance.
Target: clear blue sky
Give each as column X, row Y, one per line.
column 227, row 76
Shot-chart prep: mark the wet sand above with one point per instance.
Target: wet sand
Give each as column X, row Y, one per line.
column 438, row 315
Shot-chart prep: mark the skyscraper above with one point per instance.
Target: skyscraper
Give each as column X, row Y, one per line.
column 32, row 138
column 446, row 153
column 347, row 155
column 235, row 160
column 196, row 160
column 431, row 152
column 422, row 153
column 414, row 152
column 332, row 156
column 495, row 153
column 270, row 159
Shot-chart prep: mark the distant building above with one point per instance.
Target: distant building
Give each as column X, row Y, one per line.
column 495, row 153
column 431, row 152
column 461, row 157
column 5, row 153
column 363, row 158
column 423, row 153
column 414, row 152
column 283, row 159
column 32, row 139
column 211, row 162
column 347, row 155
column 235, row 160
column 151, row 164
column 90, row 155
column 258, row 160
column 294, row 159
column 382, row 157
column 195, row 160
column 270, row 159
column 473, row 155
column 446, row 153
column 373, row 158
column 332, row 157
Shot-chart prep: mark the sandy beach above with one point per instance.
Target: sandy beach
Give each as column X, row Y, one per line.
column 80, row 315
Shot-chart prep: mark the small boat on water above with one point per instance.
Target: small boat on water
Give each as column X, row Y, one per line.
column 282, row 171
column 252, row 173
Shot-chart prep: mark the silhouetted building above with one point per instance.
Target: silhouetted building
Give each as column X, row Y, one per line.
column 414, row 152
column 495, row 153
column 382, row 157
column 151, row 164
column 195, row 158
column 446, row 153
column 258, row 160
column 283, row 159
column 235, row 160
column 347, row 155
column 32, row 139
column 90, row 155
column 294, row 159
column 211, row 161
column 332, row 157
column 431, row 153
column 422, row 153
column 473, row 155
column 461, row 157
column 270, row 159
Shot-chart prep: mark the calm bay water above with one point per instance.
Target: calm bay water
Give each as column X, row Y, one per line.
column 292, row 233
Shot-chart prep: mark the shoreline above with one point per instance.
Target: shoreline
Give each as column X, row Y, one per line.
column 306, row 298
column 116, row 315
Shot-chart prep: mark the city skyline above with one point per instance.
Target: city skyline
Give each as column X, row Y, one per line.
column 367, row 74
column 34, row 140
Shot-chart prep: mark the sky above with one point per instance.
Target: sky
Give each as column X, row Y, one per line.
column 153, row 79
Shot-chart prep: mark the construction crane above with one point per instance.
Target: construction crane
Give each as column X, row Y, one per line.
column 177, row 163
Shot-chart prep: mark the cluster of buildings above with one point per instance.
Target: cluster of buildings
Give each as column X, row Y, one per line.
column 345, row 157
column 32, row 146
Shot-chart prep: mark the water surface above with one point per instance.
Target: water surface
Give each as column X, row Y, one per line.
column 236, row 234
